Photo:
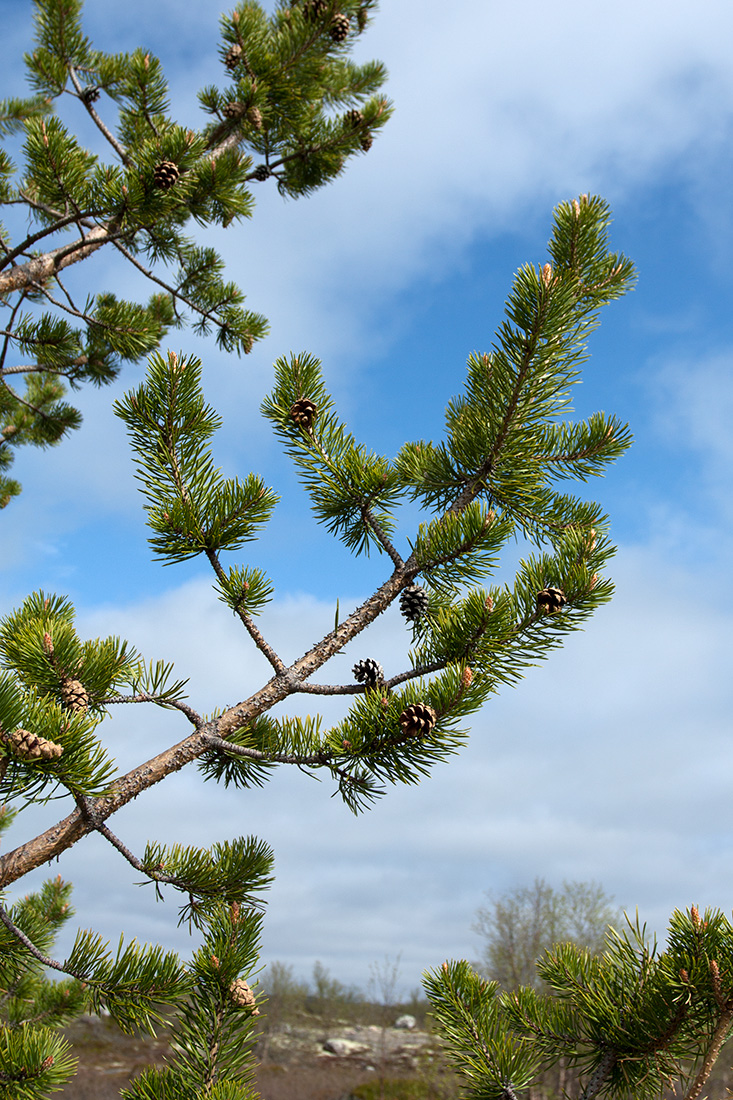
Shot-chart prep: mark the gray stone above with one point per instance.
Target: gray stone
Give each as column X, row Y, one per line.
column 344, row 1047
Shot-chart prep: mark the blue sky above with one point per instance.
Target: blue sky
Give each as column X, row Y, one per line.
column 612, row 761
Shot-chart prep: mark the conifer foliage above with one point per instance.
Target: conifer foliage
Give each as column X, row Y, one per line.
column 631, row 1022
column 293, row 107
column 284, row 111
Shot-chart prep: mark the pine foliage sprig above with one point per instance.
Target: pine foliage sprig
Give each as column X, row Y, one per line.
column 233, row 872
column 501, row 442
column 39, row 642
column 467, row 1013
column 353, row 491
column 34, row 1062
column 192, row 508
column 134, row 984
column 460, row 548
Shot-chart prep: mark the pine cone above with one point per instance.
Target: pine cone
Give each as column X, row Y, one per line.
column 33, row 747
column 551, row 600
column 414, row 603
column 368, row 672
column 366, row 142
column 233, row 109
column 354, row 119
column 417, row 720
column 90, row 94
column 261, row 173
column 340, row 27
column 73, row 695
column 303, row 412
column 233, row 56
column 242, row 996
column 314, row 9
column 165, row 175
column 254, row 115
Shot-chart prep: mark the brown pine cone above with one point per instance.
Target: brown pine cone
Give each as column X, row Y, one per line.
column 550, row 600
column 354, row 119
column 303, row 412
column 73, row 695
column 33, row 747
column 314, row 9
column 340, row 27
column 417, row 720
column 242, row 996
column 233, row 109
column 233, row 56
column 165, row 175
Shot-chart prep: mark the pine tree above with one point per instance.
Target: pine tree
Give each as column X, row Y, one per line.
column 633, row 1022
column 296, row 103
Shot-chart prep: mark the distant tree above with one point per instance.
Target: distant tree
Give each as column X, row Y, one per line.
column 296, row 100
column 285, row 1000
column 382, row 991
column 633, row 1023
column 520, row 926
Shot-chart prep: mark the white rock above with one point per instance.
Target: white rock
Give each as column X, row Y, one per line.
column 344, row 1046
column 408, row 1022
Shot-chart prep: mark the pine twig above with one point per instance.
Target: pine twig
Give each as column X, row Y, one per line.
column 34, row 951
column 254, row 632
column 121, row 153
column 599, row 1075
column 87, row 808
column 711, row 1054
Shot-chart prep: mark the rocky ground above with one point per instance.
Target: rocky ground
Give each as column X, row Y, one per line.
column 312, row 1060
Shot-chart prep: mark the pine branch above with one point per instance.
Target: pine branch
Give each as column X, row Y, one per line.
column 160, row 700
column 62, row 221
column 248, row 623
column 52, row 964
column 600, row 1075
column 381, row 536
column 87, row 808
column 207, row 314
column 720, row 1035
column 45, row 267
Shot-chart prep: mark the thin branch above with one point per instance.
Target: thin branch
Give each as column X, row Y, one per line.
column 121, row 152
column 382, row 537
column 29, row 405
column 87, row 808
column 31, row 947
column 80, row 361
column 44, row 267
column 8, row 334
column 475, row 484
column 160, row 700
column 711, row 1054
column 600, row 1075
column 61, row 223
column 259, row 640
column 207, row 314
